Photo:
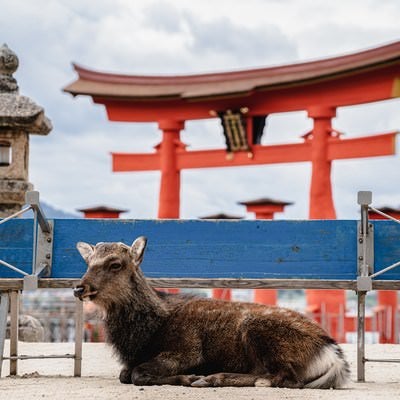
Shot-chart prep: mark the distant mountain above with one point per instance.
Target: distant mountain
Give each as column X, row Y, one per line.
column 51, row 212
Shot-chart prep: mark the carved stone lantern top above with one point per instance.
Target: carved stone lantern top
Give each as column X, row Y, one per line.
column 8, row 65
column 18, row 112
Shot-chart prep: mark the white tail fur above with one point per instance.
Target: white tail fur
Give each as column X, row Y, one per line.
column 328, row 370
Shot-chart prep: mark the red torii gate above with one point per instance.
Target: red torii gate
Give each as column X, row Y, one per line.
column 318, row 87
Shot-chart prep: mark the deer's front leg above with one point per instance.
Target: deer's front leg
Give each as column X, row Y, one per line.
column 166, row 369
column 125, row 375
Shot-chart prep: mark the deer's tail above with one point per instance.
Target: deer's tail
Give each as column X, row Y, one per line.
column 328, row 369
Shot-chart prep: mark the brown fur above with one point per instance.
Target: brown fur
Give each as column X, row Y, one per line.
column 185, row 340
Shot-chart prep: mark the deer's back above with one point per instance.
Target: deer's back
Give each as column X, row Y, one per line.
column 236, row 336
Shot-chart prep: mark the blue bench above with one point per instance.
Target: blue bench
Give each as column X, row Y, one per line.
column 325, row 254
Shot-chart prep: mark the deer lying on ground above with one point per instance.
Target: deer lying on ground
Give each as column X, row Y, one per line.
column 185, row 340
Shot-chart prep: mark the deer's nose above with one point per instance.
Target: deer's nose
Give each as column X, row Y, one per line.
column 78, row 291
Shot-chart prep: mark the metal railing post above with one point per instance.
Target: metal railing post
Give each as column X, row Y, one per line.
column 14, row 324
column 364, row 283
column 4, row 301
column 361, row 336
column 42, row 249
column 78, row 337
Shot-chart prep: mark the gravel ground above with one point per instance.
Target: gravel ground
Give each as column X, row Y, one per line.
column 51, row 379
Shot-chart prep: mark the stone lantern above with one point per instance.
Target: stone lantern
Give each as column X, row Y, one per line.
column 19, row 117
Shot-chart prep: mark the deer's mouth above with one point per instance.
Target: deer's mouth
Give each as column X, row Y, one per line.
column 85, row 293
column 90, row 296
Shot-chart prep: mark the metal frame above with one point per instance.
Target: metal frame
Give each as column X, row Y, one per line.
column 42, row 253
column 366, row 274
column 364, row 283
column 4, row 304
column 42, row 247
column 14, row 357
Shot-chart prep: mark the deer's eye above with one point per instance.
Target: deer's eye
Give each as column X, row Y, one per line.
column 115, row 266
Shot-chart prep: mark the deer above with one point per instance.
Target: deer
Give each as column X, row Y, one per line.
column 184, row 339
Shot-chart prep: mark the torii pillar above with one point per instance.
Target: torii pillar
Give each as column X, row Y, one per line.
column 169, row 201
column 321, row 199
column 170, row 184
column 331, row 302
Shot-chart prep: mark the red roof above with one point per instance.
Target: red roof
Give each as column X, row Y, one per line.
column 221, row 216
column 102, row 209
column 265, row 201
column 108, row 85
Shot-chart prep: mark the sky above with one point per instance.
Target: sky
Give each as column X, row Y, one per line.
column 71, row 167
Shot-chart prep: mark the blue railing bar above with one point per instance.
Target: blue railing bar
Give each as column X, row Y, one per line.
column 385, row 270
column 24, row 210
column 384, row 215
column 6, row 264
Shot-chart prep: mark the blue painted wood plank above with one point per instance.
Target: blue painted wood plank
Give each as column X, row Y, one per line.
column 201, row 249
column 213, row 249
column 387, row 248
column 16, row 238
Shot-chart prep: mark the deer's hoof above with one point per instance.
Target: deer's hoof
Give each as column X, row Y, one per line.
column 200, row 383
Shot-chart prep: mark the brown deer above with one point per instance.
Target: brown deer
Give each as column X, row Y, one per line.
column 185, row 340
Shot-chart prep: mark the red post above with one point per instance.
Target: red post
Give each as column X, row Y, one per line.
column 266, row 296
column 388, row 300
column 170, row 185
column 321, row 201
column 169, row 201
column 321, row 207
column 223, row 294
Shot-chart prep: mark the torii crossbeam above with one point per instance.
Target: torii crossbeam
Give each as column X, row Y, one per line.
column 179, row 158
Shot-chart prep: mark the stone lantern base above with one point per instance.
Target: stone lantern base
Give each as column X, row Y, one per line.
column 12, row 196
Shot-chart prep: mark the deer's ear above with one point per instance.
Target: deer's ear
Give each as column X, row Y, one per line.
column 85, row 249
column 137, row 249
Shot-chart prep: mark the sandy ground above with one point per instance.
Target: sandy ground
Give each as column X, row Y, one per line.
column 51, row 379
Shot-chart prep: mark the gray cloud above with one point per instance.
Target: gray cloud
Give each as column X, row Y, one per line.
column 164, row 17
column 218, row 42
column 246, row 45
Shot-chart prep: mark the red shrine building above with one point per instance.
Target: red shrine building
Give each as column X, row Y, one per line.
column 101, row 212
column 242, row 100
